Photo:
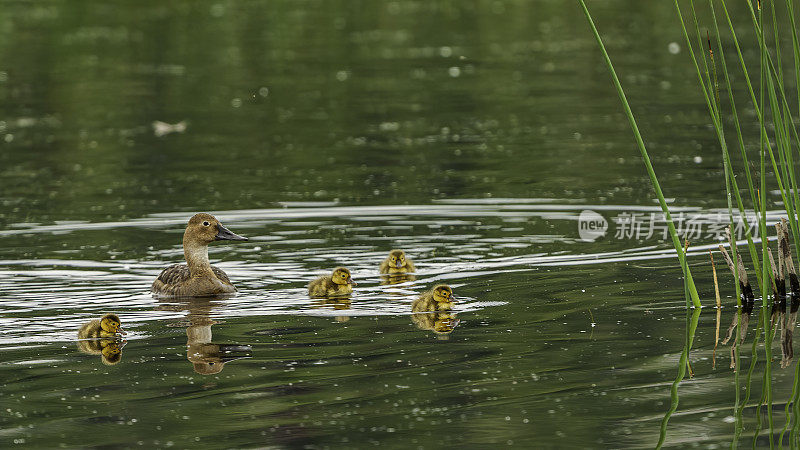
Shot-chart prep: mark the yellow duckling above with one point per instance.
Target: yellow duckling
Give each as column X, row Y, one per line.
column 337, row 285
column 107, row 326
column 102, row 337
column 197, row 278
column 397, row 262
column 440, row 298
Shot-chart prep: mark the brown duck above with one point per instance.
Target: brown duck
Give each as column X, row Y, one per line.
column 197, row 278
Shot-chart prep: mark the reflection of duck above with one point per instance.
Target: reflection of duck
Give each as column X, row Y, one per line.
column 197, row 278
column 440, row 298
column 102, row 337
column 206, row 357
column 441, row 323
column 338, row 284
column 397, row 262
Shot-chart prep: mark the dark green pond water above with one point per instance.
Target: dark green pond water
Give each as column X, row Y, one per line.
column 470, row 134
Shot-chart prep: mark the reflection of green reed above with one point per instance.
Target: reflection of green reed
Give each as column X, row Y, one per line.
column 773, row 112
column 692, row 318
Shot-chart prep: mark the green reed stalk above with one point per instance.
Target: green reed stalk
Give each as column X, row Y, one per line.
column 765, row 83
column 695, row 298
column 717, row 122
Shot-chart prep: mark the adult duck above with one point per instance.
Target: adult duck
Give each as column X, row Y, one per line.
column 197, row 278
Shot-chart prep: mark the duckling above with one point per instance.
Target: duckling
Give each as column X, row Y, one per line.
column 397, row 262
column 198, row 278
column 102, row 337
column 107, row 326
column 338, row 284
column 440, row 298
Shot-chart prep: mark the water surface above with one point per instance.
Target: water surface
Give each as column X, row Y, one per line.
column 470, row 134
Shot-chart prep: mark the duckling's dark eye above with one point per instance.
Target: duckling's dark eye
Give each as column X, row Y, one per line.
column 205, row 224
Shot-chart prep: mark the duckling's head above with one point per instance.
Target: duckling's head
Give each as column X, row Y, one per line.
column 111, row 324
column 205, row 228
column 443, row 294
column 111, row 353
column 342, row 276
column 397, row 258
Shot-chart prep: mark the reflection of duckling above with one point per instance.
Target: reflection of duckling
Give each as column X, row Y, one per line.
column 340, row 303
column 439, row 322
column 110, row 350
column 338, row 284
column 440, row 298
column 397, row 262
column 102, row 337
column 197, row 278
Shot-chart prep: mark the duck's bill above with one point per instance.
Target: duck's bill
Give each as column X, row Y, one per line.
column 398, row 264
column 224, row 234
column 121, row 331
column 350, row 281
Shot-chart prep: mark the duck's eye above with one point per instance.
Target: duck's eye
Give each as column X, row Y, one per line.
column 205, row 224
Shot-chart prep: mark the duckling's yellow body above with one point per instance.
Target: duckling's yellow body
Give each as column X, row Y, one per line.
column 108, row 326
column 338, row 284
column 102, row 337
column 397, row 262
column 440, row 298
column 197, row 278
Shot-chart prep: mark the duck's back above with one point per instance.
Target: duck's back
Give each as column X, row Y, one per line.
column 90, row 330
column 176, row 280
column 320, row 287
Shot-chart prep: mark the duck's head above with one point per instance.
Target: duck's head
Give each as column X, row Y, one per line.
column 443, row 294
column 111, row 324
column 205, row 228
column 111, row 352
column 342, row 276
column 397, row 258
